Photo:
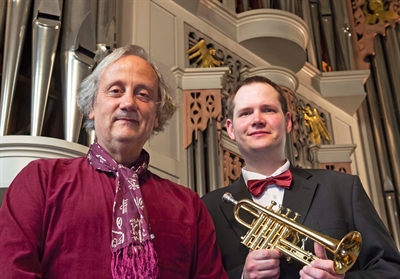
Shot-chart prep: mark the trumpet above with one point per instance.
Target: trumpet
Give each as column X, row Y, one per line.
column 272, row 229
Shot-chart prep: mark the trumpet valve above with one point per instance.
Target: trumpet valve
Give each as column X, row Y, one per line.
column 273, row 203
column 288, row 211
column 280, row 208
column 296, row 215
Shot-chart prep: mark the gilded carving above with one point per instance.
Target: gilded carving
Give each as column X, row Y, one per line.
column 205, row 55
column 200, row 107
column 371, row 17
column 302, row 139
column 315, row 125
column 375, row 11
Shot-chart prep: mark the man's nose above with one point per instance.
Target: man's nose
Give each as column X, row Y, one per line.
column 128, row 102
column 258, row 119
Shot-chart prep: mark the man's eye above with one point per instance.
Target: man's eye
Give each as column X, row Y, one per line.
column 268, row 110
column 245, row 113
column 143, row 95
column 115, row 91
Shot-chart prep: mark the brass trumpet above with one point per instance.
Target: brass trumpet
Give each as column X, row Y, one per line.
column 272, row 229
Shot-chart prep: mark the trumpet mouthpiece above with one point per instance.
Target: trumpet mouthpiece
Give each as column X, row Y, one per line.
column 227, row 197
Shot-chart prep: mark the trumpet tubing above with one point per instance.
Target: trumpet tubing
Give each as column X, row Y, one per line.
column 273, row 230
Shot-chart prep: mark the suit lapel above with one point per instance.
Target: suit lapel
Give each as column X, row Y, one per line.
column 299, row 197
column 239, row 191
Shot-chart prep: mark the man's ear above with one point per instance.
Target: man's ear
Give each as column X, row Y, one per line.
column 155, row 122
column 91, row 114
column 288, row 120
column 229, row 129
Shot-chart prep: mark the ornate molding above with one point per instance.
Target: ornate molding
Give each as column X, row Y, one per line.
column 333, row 157
column 344, row 89
column 200, row 78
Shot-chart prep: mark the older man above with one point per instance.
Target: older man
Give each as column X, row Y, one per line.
column 106, row 215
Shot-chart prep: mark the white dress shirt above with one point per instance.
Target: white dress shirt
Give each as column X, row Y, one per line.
column 272, row 192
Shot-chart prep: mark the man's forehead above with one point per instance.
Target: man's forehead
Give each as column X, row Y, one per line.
column 131, row 63
column 261, row 89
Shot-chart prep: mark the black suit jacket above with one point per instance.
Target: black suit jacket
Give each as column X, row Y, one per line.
column 330, row 202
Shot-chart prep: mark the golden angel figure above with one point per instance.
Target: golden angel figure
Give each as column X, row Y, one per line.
column 206, row 55
column 315, row 125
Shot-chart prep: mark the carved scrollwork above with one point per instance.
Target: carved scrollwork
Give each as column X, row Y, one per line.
column 232, row 166
column 371, row 17
column 292, row 108
column 200, row 107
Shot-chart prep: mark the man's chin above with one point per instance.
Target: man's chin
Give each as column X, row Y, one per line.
column 261, row 145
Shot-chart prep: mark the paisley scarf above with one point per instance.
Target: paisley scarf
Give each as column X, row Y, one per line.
column 133, row 254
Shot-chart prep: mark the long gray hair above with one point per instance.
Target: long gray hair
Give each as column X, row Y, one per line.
column 89, row 88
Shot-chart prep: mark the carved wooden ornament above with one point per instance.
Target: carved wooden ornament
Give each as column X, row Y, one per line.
column 200, row 106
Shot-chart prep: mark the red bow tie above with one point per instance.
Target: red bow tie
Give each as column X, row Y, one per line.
column 256, row 187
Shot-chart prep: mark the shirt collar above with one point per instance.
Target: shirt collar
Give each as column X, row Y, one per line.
column 247, row 175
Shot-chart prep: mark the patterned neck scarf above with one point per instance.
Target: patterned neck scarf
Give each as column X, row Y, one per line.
column 133, row 252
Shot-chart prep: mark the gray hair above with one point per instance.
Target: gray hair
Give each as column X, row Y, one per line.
column 89, row 88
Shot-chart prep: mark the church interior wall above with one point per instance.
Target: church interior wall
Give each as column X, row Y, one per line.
column 159, row 26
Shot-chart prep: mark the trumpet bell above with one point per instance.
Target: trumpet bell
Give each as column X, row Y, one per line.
column 347, row 252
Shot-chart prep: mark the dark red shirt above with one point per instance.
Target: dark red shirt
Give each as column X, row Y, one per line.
column 55, row 222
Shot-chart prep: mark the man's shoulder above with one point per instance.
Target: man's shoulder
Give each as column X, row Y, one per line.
column 216, row 195
column 56, row 162
column 170, row 186
column 320, row 173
